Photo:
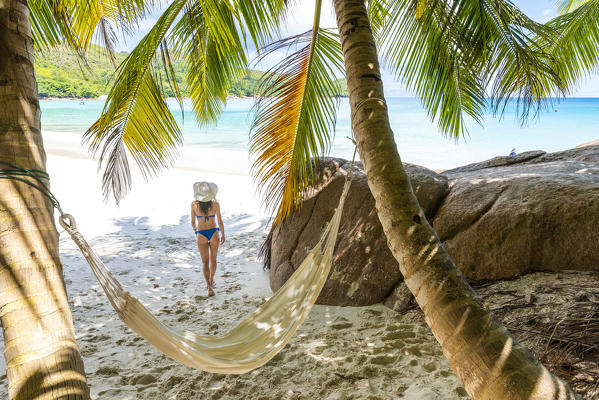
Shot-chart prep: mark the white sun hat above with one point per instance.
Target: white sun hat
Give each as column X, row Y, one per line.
column 204, row 191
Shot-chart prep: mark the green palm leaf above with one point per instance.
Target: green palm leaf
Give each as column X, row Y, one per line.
column 295, row 117
column 423, row 50
column 136, row 119
column 577, row 45
column 76, row 22
column 456, row 54
column 378, row 14
column 210, row 41
column 207, row 38
column 261, row 19
column 519, row 67
column 566, row 6
column 49, row 24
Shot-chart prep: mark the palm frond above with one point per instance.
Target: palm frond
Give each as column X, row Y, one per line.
column 77, row 22
column 420, row 7
column 211, row 36
column 208, row 39
column 51, row 24
column 565, row 6
column 577, row 45
column 378, row 15
column 295, row 117
column 261, row 19
column 430, row 56
column 452, row 52
column 519, row 67
column 136, row 119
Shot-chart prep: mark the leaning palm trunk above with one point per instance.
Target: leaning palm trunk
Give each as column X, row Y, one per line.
column 42, row 357
column 490, row 363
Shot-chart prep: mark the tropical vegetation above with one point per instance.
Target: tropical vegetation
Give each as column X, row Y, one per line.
column 458, row 56
column 61, row 73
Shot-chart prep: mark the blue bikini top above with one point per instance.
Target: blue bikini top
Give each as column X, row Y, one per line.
column 206, row 217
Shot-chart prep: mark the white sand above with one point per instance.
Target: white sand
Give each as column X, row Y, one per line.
column 338, row 353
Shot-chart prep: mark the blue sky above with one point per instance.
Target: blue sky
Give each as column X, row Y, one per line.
column 301, row 20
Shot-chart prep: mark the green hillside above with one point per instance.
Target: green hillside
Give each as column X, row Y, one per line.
column 59, row 74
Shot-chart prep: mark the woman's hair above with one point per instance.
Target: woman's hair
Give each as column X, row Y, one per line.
column 205, row 206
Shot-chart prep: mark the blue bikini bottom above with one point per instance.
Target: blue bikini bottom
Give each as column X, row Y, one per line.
column 208, row 233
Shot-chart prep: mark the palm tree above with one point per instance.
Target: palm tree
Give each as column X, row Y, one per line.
column 454, row 54
column 490, row 363
column 42, row 356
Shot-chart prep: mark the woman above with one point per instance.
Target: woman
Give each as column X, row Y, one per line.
column 205, row 210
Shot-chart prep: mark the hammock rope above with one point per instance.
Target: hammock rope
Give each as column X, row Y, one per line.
column 250, row 344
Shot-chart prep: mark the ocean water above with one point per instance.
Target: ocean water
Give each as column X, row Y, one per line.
column 564, row 125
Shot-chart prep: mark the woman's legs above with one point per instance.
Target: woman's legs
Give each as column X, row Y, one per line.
column 213, row 252
column 204, row 249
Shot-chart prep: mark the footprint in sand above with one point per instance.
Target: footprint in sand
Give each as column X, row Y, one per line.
column 431, row 366
column 98, row 338
column 133, row 341
column 172, row 382
column 400, row 334
column 108, row 371
column 341, row 323
column 144, row 379
column 368, row 313
column 383, row 359
column 89, row 350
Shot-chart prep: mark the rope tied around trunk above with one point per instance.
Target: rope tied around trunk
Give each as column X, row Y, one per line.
column 37, row 180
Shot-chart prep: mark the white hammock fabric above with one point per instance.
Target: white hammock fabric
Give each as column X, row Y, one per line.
column 250, row 344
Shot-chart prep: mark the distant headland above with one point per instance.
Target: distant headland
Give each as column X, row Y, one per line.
column 61, row 76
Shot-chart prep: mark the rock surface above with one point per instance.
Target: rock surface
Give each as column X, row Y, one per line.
column 591, row 143
column 364, row 270
column 497, row 219
column 585, row 154
column 494, row 162
column 539, row 215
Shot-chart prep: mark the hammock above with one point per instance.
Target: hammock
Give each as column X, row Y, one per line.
column 250, row 344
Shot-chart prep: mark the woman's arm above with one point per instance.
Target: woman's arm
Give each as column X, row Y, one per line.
column 193, row 219
column 221, row 226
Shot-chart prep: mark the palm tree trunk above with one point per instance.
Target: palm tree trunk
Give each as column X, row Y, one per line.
column 490, row 363
column 42, row 357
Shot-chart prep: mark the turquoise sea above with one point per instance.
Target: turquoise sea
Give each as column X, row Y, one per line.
column 564, row 125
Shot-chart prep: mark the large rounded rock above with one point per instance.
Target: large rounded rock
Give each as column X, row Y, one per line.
column 541, row 215
column 501, row 218
column 364, row 271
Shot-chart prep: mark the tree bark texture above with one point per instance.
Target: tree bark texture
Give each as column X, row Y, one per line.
column 490, row 363
column 42, row 356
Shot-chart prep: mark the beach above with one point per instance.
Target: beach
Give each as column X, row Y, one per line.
column 148, row 243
